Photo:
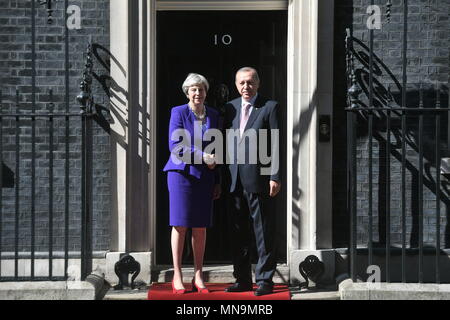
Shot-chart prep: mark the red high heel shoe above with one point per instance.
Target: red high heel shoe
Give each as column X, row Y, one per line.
column 198, row 289
column 177, row 291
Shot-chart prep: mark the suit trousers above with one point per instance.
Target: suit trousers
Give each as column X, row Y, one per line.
column 252, row 211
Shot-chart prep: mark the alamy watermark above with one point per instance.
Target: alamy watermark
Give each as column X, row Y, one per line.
column 374, row 19
column 374, row 277
column 253, row 147
column 74, row 20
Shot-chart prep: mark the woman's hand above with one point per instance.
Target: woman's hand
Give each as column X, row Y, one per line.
column 217, row 191
column 210, row 160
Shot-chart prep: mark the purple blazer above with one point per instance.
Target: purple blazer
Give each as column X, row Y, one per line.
column 182, row 118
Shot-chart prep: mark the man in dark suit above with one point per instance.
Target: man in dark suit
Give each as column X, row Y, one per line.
column 254, row 181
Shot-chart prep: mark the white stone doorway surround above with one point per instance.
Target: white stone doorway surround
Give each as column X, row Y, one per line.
column 309, row 94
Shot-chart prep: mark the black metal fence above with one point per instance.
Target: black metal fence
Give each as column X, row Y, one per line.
column 397, row 128
column 56, row 139
column 18, row 245
column 395, row 123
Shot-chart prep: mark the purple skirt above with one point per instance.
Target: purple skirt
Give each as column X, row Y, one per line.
column 190, row 199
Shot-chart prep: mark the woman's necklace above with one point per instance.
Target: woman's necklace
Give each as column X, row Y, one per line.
column 198, row 115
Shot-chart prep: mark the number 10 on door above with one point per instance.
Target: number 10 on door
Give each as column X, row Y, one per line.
column 225, row 39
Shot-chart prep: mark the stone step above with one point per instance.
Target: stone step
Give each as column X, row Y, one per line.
column 214, row 274
column 296, row 294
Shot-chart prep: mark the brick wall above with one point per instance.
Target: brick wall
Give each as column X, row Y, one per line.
column 427, row 63
column 15, row 74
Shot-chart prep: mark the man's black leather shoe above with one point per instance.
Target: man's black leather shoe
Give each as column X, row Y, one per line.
column 264, row 289
column 239, row 287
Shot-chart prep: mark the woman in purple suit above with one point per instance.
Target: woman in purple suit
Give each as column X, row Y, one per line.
column 192, row 178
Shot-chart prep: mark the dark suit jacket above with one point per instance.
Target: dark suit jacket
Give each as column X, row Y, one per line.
column 263, row 116
column 182, row 118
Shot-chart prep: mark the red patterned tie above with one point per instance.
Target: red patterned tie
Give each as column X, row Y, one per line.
column 244, row 117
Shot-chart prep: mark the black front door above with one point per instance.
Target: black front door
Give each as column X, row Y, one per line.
column 216, row 44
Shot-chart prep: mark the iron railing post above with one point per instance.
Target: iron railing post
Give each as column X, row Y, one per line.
column 33, row 135
column 67, row 134
column 17, row 190
column 351, row 190
column 420, row 196
column 370, row 116
column 50, row 186
column 388, row 190
column 353, row 93
column 87, row 105
column 403, row 115
column 438, row 185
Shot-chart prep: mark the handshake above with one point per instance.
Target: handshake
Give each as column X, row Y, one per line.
column 210, row 160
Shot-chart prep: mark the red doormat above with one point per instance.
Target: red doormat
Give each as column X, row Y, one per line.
column 163, row 291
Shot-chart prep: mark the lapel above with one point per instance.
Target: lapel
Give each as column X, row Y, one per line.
column 191, row 119
column 237, row 118
column 256, row 110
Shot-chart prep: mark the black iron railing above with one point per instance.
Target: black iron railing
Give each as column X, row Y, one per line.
column 397, row 115
column 23, row 248
column 33, row 145
column 381, row 118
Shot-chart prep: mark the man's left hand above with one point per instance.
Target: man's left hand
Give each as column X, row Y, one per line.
column 274, row 188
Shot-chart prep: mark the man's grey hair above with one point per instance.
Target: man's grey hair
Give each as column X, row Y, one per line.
column 192, row 80
column 250, row 69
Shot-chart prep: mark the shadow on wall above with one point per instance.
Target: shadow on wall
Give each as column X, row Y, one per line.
column 111, row 89
column 107, row 115
column 299, row 133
